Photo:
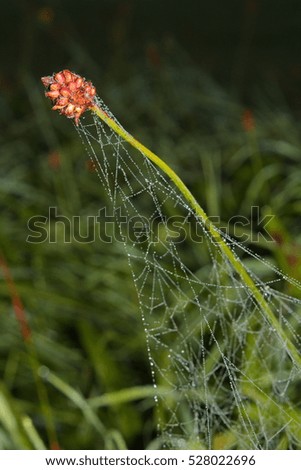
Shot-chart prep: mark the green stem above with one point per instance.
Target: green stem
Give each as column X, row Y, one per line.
column 236, row 263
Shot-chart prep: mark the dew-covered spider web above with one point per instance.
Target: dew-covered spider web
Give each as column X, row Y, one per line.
column 224, row 376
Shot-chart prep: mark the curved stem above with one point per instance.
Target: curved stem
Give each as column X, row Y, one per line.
column 235, row 262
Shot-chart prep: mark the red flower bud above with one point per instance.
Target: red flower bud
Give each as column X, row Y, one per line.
column 68, row 76
column 60, row 103
column 72, row 86
column 54, row 86
column 46, row 80
column 59, row 77
column 52, row 94
column 71, row 94
column 65, row 92
column 78, row 82
column 70, row 108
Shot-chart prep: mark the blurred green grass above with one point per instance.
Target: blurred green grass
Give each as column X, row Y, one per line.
column 89, row 353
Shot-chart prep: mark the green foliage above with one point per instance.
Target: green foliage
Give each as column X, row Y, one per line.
column 85, row 381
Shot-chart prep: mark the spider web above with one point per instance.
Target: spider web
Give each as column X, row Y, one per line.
column 224, row 377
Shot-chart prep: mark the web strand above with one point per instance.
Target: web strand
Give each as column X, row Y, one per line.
column 223, row 376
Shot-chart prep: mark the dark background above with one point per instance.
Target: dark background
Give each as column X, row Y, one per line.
column 242, row 44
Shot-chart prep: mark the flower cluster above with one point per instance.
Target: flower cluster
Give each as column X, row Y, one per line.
column 71, row 94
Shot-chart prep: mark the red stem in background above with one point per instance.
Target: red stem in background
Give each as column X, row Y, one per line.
column 27, row 335
column 16, row 301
